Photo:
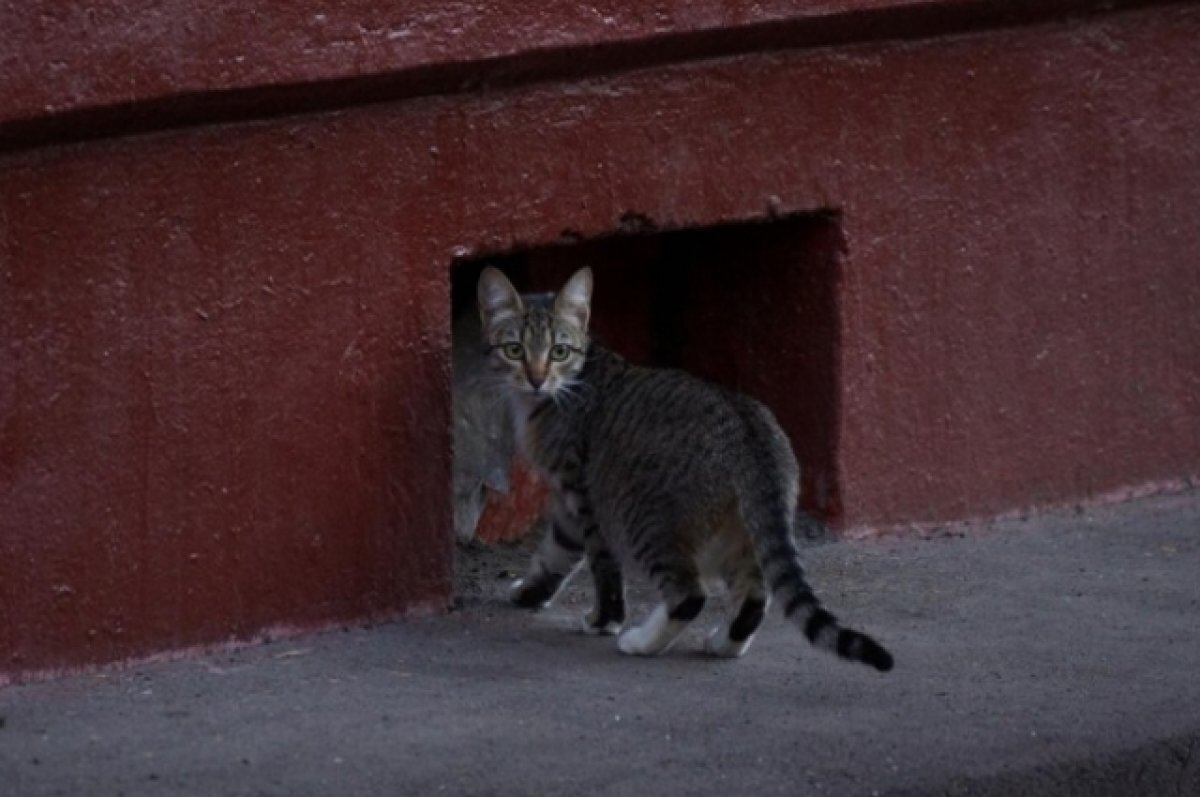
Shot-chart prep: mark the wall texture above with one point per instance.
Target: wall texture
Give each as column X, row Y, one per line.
column 224, row 347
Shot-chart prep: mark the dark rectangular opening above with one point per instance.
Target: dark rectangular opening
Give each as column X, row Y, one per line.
column 753, row 306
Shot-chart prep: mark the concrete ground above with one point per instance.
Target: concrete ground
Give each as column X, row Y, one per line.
column 1058, row 655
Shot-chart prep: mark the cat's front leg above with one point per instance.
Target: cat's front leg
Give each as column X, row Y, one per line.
column 558, row 556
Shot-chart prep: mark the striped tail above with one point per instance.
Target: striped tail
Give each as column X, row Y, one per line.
column 780, row 562
column 769, row 513
column 768, row 497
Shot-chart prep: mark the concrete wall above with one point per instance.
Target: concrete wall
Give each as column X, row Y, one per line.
column 224, row 347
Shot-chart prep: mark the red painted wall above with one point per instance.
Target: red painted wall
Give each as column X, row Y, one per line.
column 224, row 348
column 85, row 70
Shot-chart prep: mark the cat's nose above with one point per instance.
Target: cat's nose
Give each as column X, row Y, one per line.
column 536, row 376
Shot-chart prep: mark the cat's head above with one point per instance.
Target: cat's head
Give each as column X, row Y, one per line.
column 536, row 344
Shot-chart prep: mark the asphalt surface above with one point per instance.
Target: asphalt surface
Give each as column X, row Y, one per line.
column 1058, row 655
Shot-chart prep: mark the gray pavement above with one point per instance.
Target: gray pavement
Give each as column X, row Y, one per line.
column 1058, row 655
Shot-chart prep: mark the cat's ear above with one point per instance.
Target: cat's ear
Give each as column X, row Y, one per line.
column 574, row 301
column 497, row 297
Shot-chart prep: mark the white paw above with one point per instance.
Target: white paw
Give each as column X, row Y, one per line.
column 718, row 643
column 610, row 628
column 633, row 643
column 656, row 633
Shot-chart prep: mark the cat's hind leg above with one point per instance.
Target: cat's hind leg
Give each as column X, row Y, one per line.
column 732, row 638
column 683, row 598
column 607, row 614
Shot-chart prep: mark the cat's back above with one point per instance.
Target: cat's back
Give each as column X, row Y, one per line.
column 639, row 401
column 665, row 424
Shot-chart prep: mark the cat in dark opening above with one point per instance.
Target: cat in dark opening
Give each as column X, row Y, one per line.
column 653, row 469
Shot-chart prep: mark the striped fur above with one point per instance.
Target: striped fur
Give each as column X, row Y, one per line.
column 654, row 469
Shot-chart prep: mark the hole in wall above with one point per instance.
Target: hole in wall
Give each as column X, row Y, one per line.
column 752, row 306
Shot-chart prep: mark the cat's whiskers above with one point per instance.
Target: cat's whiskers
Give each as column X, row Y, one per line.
column 496, row 389
column 577, row 390
column 569, row 394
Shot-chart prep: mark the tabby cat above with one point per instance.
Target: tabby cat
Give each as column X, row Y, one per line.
column 653, row 469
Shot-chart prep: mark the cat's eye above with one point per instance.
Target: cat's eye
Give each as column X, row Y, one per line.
column 513, row 351
column 559, row 352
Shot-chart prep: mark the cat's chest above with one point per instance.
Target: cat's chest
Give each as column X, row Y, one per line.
column 551, row 443
column 530, row 428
